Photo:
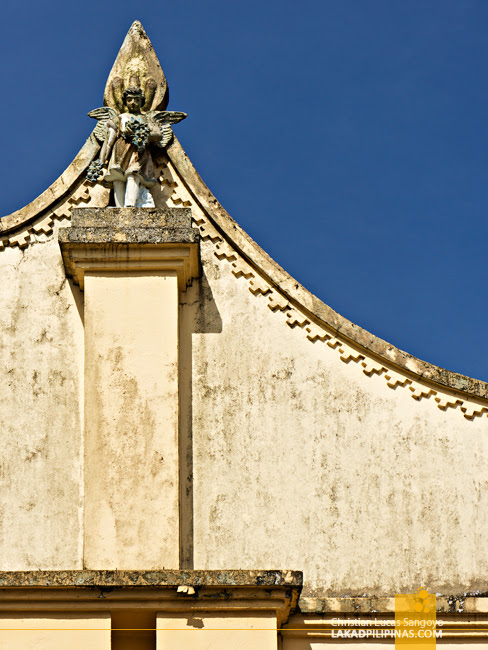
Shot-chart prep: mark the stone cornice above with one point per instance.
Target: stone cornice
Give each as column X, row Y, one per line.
column 464, row 603
column 163, row 591
column 153, row 578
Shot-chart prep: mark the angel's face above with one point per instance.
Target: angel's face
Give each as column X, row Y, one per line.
column 133, row 103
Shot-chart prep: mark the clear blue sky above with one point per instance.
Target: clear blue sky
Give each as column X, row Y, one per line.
column 348, row 138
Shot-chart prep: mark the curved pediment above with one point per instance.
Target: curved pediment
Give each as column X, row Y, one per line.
column 19, row 227
column 179, row 184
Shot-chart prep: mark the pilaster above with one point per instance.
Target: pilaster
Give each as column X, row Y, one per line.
column 131, row 264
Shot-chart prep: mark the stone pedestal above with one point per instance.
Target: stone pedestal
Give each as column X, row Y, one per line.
column 131, row 264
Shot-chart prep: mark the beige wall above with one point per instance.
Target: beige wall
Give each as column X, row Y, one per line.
column 131, row 420
column 55, row 631
column 361, row 486
column 207, row 631
column 41, row 372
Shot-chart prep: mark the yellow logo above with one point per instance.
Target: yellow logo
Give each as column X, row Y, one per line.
column 416, row 623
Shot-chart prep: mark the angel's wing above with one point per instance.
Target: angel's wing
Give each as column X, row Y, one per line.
column 167, row 117
column 164, row 119
column 104, row 115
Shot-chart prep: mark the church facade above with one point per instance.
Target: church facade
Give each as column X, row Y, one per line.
column 196, row 452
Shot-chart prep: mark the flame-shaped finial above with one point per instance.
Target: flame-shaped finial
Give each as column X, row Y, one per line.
column 137, row 64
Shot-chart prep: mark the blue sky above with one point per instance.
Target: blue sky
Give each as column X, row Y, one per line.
column 347, row 138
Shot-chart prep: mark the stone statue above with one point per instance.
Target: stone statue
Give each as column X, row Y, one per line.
column 128, row 136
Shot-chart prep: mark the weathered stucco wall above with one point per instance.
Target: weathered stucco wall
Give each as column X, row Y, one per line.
column 313, row 454
column 41, row 363
column 302, row 460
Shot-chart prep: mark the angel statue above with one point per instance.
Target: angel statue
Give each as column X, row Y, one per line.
column 128, row 138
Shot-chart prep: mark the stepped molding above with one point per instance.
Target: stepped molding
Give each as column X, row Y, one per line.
column 181, row 186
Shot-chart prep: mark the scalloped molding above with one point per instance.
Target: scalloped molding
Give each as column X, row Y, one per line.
column 82, row 195
column 315, row 331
